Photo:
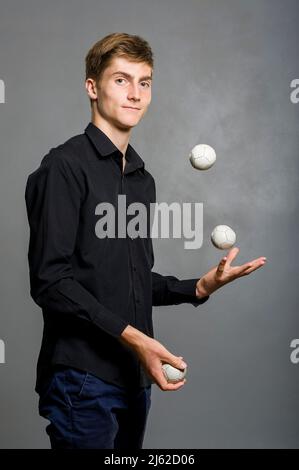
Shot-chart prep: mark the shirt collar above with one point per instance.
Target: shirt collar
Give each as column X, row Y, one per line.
column 106, row 147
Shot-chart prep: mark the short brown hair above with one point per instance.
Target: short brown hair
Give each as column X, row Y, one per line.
column 129, row 46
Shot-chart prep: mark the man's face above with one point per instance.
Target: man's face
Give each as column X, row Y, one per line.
column 124, row 85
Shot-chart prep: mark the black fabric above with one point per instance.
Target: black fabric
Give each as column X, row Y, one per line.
column 91, row 288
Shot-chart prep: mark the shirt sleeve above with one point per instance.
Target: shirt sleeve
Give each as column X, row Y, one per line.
column 53, row 198
column 169, row 290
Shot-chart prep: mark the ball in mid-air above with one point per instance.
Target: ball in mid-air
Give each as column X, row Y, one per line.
column 223, row 237
column 202, row 157
column 172, row 374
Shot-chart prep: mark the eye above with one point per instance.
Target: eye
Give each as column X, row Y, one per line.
column 147, row 84
column 119, row 79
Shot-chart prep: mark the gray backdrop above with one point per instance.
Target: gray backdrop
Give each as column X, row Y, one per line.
column 222, row 76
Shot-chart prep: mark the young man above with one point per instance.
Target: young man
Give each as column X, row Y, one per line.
column 98, row 356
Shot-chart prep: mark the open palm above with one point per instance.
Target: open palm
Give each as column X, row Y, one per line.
column 224, row 273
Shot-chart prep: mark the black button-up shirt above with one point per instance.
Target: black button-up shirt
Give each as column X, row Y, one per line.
column 91, row 288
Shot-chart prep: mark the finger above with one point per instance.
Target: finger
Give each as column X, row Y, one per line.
column 252, row 265
column 248, row 267
column 255, row 265
column 221, row 265
column 258, row 260
column 171, row 387
column 255, row 262
column 239, row 270
column 174, row 361
column 232, row 254
column 164, row 384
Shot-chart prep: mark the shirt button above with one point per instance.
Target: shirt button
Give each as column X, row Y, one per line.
column 134, row 268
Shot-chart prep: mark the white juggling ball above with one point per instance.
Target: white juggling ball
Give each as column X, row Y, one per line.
column 223, row 237
column 172, row 374
column 202, row 157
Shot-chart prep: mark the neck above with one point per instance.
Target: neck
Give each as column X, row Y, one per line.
column 119, row 137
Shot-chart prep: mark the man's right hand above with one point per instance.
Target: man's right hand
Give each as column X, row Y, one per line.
column 153, row 355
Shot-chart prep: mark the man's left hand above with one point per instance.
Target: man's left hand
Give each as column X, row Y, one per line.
column 225, row 273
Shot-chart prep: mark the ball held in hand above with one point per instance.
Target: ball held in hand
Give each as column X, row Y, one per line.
column 172, row 374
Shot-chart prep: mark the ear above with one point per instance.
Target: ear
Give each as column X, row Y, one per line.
column 90, row 87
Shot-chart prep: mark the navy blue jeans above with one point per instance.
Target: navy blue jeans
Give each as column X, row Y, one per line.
column 86, row 412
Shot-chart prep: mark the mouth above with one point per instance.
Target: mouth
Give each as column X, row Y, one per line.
column 130, row 107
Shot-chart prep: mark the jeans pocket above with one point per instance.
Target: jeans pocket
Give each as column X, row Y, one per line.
column 74, row 382
column 47, row 386
column 46, row 393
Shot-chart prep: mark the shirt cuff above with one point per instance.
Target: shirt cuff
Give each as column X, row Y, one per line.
column 186, row 288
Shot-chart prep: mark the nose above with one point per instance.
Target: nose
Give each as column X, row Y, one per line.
column 134, row 92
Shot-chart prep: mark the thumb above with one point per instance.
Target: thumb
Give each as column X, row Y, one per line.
column 176, row 361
